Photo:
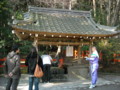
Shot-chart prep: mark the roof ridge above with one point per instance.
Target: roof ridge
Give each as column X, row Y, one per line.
column 62, row 11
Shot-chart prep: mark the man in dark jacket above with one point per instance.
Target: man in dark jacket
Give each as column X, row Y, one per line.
column 12, row 68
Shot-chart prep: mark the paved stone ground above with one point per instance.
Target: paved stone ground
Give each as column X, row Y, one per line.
column 76, row 85
column 104, row 87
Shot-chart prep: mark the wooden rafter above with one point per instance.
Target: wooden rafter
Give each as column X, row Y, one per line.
column 62, row 43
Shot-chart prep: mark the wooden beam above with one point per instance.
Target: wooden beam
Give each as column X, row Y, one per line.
column 54, row 39
column 22, row 36
column 18, row 35
column 79, row 49
column 62, row 43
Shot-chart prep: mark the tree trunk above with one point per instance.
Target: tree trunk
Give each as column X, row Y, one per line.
column 116, row 14
column 94, row 7
column 109, row 12
column 101, row 9
column 70, row 4
column 63, row 5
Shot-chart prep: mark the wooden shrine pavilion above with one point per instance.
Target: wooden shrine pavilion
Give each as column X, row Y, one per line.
column 60, row 27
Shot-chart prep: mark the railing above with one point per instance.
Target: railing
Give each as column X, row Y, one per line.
column 115, row 58
column 22, row 61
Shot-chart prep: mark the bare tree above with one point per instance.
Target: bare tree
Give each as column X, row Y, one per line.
column 70, row 4
column 116, row 13
column 109, row 12
column 94, row 7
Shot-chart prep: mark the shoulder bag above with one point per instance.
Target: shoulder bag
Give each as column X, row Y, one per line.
column 38, row 70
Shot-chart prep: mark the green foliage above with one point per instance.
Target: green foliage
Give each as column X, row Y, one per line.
column 5, row 30
column 25, row 47
column 108, row 48
column 19, row 15
column 115, row 45
column 85, row 48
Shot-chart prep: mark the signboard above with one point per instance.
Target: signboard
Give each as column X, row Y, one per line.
column 69, row 51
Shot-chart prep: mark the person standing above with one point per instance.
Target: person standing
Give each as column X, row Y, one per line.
column 94, row 59
column 46, row 67
column 12, row 68
column 31, row 61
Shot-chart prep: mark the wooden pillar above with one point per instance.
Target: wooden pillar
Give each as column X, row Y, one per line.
column 79, row 53
column 79, row 49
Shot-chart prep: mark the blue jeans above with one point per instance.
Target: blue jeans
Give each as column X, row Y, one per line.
column 35, row 81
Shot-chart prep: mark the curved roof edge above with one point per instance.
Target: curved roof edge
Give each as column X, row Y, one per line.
column 103, row 27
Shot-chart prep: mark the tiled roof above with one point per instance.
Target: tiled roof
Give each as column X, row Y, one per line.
column 62, row 21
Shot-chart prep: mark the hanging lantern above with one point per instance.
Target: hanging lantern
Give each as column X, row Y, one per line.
column 30, row 34
column 80, row 36
column 44, row 35
column 93, row 37
column 13, row 31
column 36, row 35
column 52, row 35
column 59, row 35
column 23, row 33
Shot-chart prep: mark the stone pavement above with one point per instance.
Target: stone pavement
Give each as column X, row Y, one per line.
column 103, row 80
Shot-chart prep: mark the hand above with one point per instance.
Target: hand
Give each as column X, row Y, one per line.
column 10, row 74
column 87, row 58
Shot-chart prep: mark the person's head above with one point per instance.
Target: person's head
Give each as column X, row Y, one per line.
column 15, row 48
column 94, row 49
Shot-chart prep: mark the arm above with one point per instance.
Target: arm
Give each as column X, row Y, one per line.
column 5, row 68
column 17, row 66
column 92, row 58
column 27, row 59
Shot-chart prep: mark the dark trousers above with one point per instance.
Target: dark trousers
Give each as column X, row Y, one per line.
column 12, row 83
column 47, row 73
column 35, row 81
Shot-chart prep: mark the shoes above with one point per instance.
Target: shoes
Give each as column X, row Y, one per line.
column 91, row 86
